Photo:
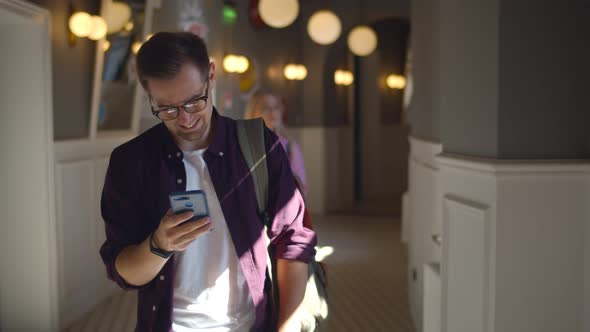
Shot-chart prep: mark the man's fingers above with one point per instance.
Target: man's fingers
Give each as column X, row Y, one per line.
column 186, row 239
column 181, row 230
column 176, row 219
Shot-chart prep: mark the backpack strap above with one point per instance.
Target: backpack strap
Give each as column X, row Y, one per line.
column 251, row 140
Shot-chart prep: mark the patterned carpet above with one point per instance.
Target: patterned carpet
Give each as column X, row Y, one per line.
column 366, row 280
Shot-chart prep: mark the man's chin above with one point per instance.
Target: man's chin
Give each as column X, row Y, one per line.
column 192, row 136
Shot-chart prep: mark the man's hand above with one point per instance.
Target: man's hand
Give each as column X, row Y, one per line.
column 171, row 236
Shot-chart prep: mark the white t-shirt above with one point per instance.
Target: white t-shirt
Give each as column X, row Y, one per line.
column 210, row 291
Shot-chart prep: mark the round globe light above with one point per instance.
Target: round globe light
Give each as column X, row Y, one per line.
column 362, row 40
column 81, row 24
column 278, row 13
column 324, row 27
column 117, row 16
column 99, row 28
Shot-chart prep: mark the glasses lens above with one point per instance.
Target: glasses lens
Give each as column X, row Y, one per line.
column 168, row 114
column 196, row 106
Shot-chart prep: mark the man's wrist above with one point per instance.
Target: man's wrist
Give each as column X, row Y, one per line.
column 154, row 249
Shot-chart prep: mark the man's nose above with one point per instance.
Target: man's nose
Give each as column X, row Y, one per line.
column 183, row 116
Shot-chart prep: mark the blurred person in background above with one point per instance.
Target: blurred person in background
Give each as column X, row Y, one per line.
column 271, row 108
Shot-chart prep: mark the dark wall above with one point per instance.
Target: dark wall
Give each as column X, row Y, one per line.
column 541, row 113
column 509, row 79
column 582, row 77
column 423, row 111
column 467, row 77
column 319, row 58
column 73, row 70
column 392, row 34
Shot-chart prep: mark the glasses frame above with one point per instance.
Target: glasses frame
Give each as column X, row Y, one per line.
column 184, row 107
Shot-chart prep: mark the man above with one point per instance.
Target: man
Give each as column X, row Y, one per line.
column 209, row 274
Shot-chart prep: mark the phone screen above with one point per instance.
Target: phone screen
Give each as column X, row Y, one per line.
column 194, row 200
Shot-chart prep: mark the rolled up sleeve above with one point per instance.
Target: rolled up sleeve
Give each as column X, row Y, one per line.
column 119, row 211
column 292, row 240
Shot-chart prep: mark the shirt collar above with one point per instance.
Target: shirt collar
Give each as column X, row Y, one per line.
column 216, row 146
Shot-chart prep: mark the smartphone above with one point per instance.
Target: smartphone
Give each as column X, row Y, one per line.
column 194, row 200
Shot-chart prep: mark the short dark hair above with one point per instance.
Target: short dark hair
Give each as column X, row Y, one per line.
column 163, row 55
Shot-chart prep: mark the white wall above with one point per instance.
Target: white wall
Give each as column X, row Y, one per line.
column 514, row 239
column 424, row 218
column 586, row 312
column 28, row 298
column 80, row 169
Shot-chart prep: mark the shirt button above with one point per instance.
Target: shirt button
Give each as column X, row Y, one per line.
column 221, row 154
column 169, row 156
column 178, row 154
column 179, row 181
column 154, row 308
column 162, row 278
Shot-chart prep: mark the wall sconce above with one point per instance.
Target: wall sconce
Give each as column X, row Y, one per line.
column 235, row 63
column 343, row 77
column 324, row 27
column 362, row 40
column 82, row 24
column 294, row 71
column 395, row 82
column 99, row 28
column 278, row 13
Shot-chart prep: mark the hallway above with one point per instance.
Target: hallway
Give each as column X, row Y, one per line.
column 366, row 276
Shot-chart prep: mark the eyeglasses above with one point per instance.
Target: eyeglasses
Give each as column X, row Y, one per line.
column 191, row 106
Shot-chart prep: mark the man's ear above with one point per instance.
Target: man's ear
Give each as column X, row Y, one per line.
column 212, row 77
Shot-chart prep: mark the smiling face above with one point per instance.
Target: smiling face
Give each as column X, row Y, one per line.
column 191, row 131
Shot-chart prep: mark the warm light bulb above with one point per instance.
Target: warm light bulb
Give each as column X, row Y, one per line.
column 290, row 71
column 117, row 16
column 242, row 64
column 278, row 13
column 99, row 28
column 294, row 71
column 324, row 27
column 302, row 72
column 343, row 77
column 396, row 82
column 81, row 24
column 362, row 40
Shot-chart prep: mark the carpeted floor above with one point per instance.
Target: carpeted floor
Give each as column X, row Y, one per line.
column 366, row 280
column 366, row 274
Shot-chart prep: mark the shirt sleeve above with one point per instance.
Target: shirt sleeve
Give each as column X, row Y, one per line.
column 290, row 237
column 297, row 166
column 120, row 212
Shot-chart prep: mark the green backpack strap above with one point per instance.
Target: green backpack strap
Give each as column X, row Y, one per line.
column 251, row 139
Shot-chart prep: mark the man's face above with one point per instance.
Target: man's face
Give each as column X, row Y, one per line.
column 190, row 130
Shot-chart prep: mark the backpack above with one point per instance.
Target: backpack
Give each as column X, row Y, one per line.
column 314, row 308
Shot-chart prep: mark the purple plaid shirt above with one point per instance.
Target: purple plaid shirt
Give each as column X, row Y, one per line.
column 141, row 174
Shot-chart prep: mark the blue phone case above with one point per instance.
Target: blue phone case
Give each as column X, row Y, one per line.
column 194, row 200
